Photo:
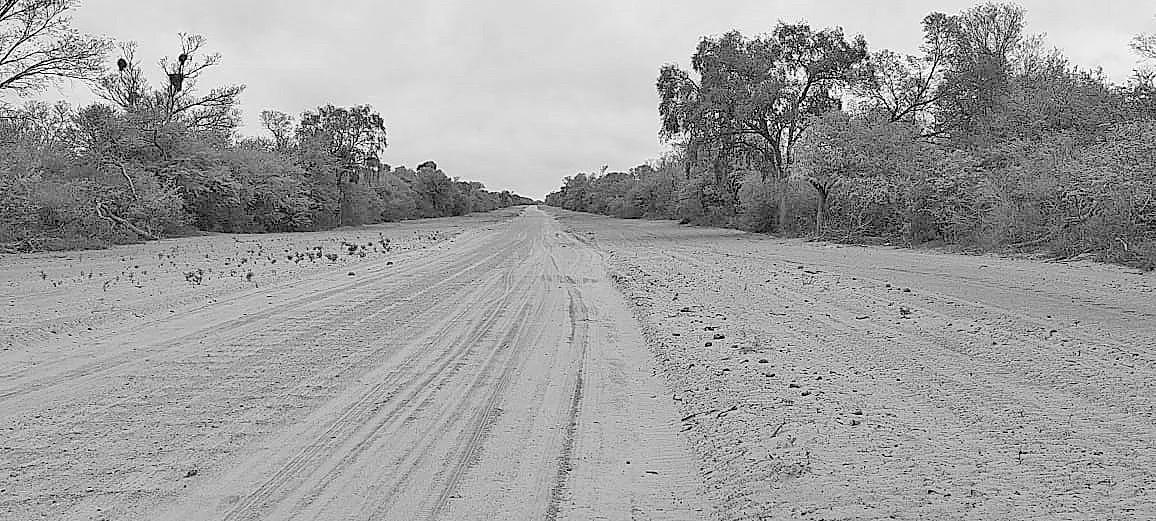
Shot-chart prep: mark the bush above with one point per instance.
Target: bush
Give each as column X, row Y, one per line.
column 760, row 202
column 360, row 205
column 868, row 207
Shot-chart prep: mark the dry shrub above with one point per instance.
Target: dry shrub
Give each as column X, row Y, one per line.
column 867, row 208
column 761, row 202
column 62, row 214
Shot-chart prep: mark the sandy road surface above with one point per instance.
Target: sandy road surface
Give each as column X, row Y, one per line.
column 494, row 374
column 829, row 382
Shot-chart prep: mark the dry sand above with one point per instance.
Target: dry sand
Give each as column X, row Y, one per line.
column 532, row 364
column 481, row 368
column 821, row 381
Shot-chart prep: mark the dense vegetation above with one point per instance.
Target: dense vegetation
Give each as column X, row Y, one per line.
column 988, row 139
column 150, row 162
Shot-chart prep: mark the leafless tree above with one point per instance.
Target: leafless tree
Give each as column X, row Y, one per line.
column 39, row 47
column 179, row 99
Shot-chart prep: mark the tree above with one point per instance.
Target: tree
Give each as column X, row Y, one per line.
column 347, row 139
column 173, row 137
column 905, row 86
column 755, row 97
column 38, row 46
column 398, row 196
column 352, row 135
column 1145, row 45
column 272, row 191
column 437, row 191
column 1140, row 95
column 179, row 102
column 280, row 125
column 976, row 83
column 1048, row 94
column 843, row 148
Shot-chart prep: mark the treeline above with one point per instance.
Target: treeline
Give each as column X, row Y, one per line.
column 150, row 162
column 989, row 139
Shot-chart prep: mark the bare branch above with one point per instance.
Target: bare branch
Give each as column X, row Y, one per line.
column 38, row 47
column 1145, row 45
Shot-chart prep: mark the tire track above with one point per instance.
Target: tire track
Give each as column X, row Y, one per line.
column 383, row 396
column 347, row 422
column 578, row 336
column 423, row 394
column 225, row 332
column 474, row 431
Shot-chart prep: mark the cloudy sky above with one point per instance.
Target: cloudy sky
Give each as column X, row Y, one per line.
column 518, row 93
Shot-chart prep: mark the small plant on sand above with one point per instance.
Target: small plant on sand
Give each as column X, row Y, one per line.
column 196, row 277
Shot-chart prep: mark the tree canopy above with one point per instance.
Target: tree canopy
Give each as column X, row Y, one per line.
column 988, row 137
column 754, row 95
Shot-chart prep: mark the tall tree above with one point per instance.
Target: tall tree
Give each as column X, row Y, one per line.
column 38, row 46
column 905, row 86
column 977, row 80
column 347, row 140
column 352, row 135
column 756, row 95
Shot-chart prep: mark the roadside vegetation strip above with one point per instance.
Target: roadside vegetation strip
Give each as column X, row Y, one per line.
column 148, row 161
column 951, row 146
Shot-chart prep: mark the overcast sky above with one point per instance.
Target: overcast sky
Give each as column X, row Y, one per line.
column 519, row 93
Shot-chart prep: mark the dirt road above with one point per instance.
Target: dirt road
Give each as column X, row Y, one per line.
column 490, row 368
column 495, row 374
column 833, row 382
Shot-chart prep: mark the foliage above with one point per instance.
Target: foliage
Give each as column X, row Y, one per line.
column 754, row 95
column 753, row 102
column 149, row 163
column 280, row 125
column 980, row 43
column 906, row 88
column 1145, row 45
column 860, row 154
column 353, row 136
column 989, row 139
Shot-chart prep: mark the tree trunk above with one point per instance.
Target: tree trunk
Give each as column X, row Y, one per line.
column 820, row 213
column 340, row 202
column 117, row 220
column 784, row 189
column 821, row 208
